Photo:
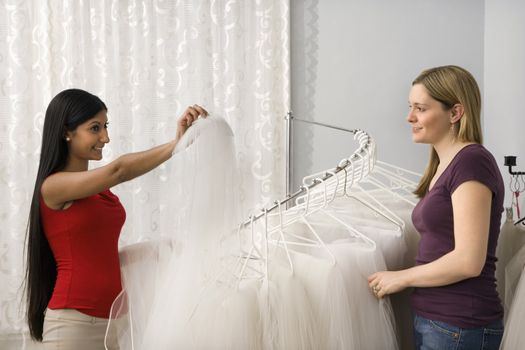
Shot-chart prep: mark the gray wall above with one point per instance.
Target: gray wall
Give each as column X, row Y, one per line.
column 353, row 62
column 505, row 83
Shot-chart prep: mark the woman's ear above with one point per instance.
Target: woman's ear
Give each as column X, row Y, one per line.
column 67, row 136
column 457, row 113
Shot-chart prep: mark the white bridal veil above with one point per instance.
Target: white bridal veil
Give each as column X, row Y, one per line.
column 167, row 282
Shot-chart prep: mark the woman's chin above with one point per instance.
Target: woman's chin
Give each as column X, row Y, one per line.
column 418, row 138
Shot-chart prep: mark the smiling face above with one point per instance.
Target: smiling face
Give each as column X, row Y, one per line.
column 87, row 140
column 429, row 118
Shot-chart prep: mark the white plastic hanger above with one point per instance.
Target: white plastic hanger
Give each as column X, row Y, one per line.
column 353, row 232
column 358, row 176
column 379, row 208
column 301, row 240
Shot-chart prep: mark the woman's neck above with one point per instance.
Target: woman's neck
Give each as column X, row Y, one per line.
column 76, row 165
column 447, row 149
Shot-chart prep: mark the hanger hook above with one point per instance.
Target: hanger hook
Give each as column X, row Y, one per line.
column 336, row 182
column 352, row 174
column 252, row 228
column 279, row 208
column 346, row 178
column 369, row 155
column 307, row 204
column 344, row 165
column 265, row 215
column 318, row 180
column 361, row 175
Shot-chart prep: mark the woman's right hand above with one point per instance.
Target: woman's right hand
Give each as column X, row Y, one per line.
column 187, row 118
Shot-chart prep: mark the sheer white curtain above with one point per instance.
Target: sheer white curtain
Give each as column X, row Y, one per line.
column 147, row 60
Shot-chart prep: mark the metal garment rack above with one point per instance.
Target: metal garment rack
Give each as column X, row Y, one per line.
column 303, row 189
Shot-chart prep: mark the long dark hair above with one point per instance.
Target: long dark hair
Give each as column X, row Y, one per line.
column 65, row 112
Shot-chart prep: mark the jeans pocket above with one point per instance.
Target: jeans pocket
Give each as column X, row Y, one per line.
column 492, row 336
column 446, row 328
column 494, row 328
column 435, row 335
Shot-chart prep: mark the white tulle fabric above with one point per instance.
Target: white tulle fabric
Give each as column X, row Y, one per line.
column 513, row 273
column 395, row 238
column 510, row 241
column 511, row 281
column 514, row 337
column 170, row 283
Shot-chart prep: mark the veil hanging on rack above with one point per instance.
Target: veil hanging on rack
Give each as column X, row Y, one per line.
column 173, row 285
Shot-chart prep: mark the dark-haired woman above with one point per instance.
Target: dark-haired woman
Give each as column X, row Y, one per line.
column 73, row 272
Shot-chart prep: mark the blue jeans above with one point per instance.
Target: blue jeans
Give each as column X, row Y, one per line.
column 436, row 335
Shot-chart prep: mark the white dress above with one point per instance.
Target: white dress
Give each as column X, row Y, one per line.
column 398, row 248
column 350, row 314
column 511, row 239
column 514, row 337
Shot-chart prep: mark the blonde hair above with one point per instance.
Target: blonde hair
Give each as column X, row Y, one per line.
column 452, row 85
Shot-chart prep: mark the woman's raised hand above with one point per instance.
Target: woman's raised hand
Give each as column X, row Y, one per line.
column 188, row 117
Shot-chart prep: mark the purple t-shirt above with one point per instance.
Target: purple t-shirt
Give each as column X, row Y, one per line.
column 473, row 302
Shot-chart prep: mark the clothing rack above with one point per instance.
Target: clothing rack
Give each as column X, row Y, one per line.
column 364, row 148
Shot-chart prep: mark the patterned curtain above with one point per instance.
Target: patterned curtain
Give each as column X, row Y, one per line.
column 147, row 60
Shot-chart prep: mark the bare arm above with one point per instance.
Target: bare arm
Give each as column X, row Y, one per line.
column 64, row 186
column 67, row 186
column 471, row 203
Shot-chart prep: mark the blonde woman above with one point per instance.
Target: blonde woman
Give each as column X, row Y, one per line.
column 455, row 301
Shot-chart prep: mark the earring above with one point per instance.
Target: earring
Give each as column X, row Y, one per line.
column 454, row 129
column 68, row 139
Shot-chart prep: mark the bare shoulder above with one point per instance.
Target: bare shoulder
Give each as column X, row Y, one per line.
column 66, row 186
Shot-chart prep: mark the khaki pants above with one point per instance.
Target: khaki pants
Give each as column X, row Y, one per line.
column 66, row 329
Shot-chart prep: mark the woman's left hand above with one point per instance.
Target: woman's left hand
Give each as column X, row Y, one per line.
column 386, row 282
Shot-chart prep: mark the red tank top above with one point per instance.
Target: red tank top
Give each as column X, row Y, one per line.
column 84, row 241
